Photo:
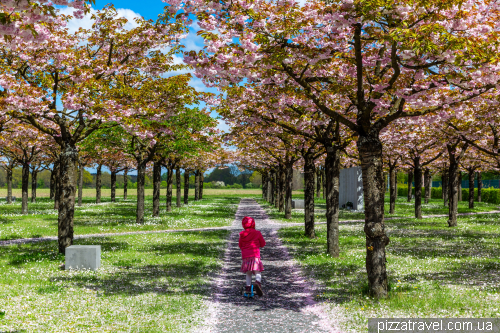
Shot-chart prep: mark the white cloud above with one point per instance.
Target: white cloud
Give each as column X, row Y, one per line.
column 86, row 22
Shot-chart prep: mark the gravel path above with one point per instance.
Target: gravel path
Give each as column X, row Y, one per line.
column 287, row 305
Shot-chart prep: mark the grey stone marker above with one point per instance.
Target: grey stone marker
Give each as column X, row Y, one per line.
column 298, row 204
column 351, row 188
column 83, row 257
column 13, row 199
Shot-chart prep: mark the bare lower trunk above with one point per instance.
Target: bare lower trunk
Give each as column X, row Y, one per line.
column 418, row 188
column 186, row 186
column 141, row 175
column 80, row 185
column 197, row 185
column 156, row 188
column 370, row 153
column 276, row 189
column 471, row 188
column 202, row 179
column 270, row 188
column 52, row 185
column 459, row 185
column 170, row 180
column 445, row 188
column 479, row 186
column 393, row 193
column 410, row 185
column 9, row 185
column 24, row 186
column 427, row 185
column 309, row 171
column 98, row 184
column 288, row 190
column 318, row 183
column 125, row 184
column 178, row 186
column 332, row 174
column 264, row 186
column 282, row 189
column 67, row 190
column 57, row 183
column 323, row 178
column 34, row 180
column 113, row 186
column 453, row 188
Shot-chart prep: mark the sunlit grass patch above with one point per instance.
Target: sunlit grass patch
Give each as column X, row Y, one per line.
column 109, row 217
column 147, row 283
column 434, row 271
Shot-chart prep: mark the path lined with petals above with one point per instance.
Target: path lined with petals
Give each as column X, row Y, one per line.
column 288, row 304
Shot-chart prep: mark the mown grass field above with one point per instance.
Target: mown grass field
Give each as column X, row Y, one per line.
column 107, row 217
column 434, row 271
column 147, row 283
column 403, row 209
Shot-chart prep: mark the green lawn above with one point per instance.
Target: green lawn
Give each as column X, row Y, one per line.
column 434, row 271
column 147, row 283
column 107, row 217
column 403, row 209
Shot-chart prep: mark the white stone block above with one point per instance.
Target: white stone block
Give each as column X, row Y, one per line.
column 83, row 257
column 351, row 188
column 298, row 204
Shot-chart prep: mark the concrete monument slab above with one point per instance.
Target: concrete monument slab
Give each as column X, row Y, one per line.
column 83, row 257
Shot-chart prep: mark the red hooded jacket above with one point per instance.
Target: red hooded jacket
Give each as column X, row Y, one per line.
column 251, row 240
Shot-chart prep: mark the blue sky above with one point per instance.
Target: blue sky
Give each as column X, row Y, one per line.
column 149, row 9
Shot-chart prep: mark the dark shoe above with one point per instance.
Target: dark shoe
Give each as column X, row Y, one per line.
column 258, row 288
column 248, row 289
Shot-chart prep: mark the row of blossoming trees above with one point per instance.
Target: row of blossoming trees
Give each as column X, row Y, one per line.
column 105, row 96
column 374, row 83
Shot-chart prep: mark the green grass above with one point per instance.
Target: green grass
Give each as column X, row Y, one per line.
column 107, row 217
column 434, row 271
column 147, row 283
column 403, row 209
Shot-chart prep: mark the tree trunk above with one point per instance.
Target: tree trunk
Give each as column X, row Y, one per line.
column 25, row 178
column 427, row 185
column 453, row 188
column 479, row 186
column 318, row 183
column 282, row 189
column 202, row 179
column 98, row 184
column 125, row 183
column 418, row 188
column 276, row 189
column 34, row 180
column 410, row 181
column 141, row 175
column 471, row 188
column 445, row 188
column 80, row 185
column 170, row 180
column 66, row 198
column 264, row 186
column 113, row 186
column 186, row 186
column 323, row 178
column 459, row 185
column 332, row 174
column 393, row 193
column 270, row 188
column 9, row 185
column 52, row 185
column 178, row 186
column 156, row 188
column 370, row 153
column 288, row 190
column 309, row 171
column 197, row 185
column 57, row 183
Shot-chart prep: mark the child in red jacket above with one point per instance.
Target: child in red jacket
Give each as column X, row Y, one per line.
column 250, row 242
